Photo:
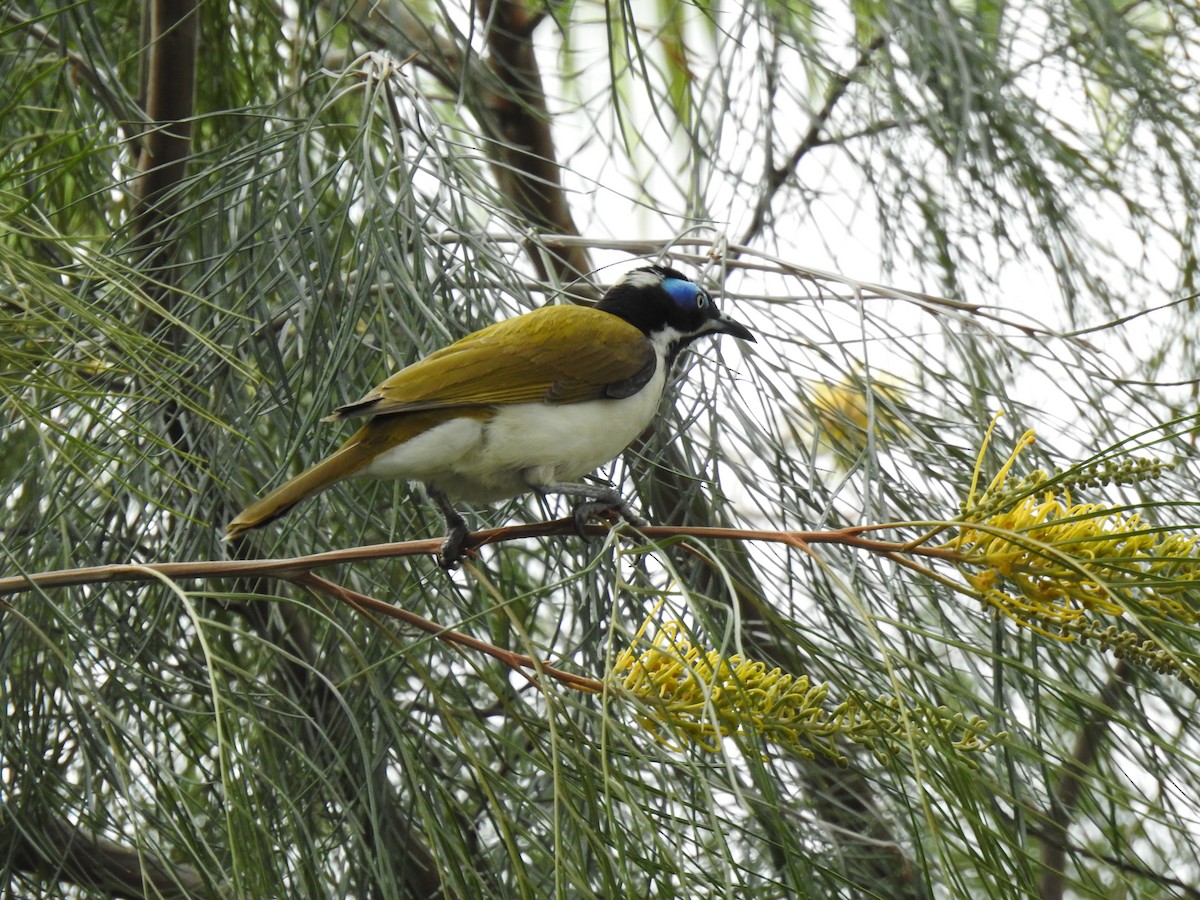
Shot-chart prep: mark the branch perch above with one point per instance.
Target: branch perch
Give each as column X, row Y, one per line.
column 293, row 568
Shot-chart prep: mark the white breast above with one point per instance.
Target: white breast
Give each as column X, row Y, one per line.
column 522, row 445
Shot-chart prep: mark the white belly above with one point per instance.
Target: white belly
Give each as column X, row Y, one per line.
column 521, row 445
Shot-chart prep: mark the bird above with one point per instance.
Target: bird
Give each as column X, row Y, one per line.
column 530, row 403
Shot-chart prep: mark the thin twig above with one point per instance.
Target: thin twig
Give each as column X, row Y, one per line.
column 746, row 258
column 776, row 177
column 516, row 661
column 292, row 568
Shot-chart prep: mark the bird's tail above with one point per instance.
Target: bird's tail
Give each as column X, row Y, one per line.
column 343, row 463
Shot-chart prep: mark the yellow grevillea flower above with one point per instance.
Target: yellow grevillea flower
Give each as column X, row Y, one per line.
column 844, row 417
column 1035, row 554
column 700, row 696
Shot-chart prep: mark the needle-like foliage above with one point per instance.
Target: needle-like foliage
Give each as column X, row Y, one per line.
column 876, row 642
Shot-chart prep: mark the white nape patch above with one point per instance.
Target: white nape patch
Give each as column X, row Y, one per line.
column 663, row 339
column 642, row 279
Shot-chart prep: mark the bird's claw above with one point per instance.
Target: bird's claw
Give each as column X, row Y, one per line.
column 452, row 551
column 609, row 507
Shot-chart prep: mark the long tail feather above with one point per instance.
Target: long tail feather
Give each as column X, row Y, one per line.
column 343, row 463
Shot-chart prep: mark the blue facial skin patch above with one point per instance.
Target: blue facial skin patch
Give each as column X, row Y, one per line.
column 684, row 293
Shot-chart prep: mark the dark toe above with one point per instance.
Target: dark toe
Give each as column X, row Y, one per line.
column 609, row 508
column 452, row 552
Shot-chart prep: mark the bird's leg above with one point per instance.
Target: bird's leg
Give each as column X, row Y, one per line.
column 595, row 499
column 456, row 529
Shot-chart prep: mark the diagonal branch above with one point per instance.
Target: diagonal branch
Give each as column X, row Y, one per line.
column 518, row 662
column 776, row 176
column 506, row 96
column 63, row 852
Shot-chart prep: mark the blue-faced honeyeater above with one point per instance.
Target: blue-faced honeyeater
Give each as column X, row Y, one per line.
column 528, row 404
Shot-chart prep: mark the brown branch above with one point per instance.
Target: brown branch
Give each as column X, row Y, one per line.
column 507, row 98
column 169, row 87
column 292, row 568
column 524, row 159
column 168, row 81
column 56, row 850
column 516, row 661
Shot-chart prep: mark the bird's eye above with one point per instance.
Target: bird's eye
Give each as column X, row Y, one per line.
column 701, row 299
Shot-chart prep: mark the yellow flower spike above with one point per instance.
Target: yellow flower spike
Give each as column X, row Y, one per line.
column 844, row 417
column 1036, row 555
column 700, row 697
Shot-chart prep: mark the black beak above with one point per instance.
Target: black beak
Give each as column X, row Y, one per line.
column 724, row 325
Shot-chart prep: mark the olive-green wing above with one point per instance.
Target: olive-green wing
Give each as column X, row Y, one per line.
column 556, row 354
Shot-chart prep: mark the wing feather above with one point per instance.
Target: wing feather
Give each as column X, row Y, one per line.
column 521, row 360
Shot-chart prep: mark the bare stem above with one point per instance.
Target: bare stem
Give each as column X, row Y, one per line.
column 516, row 661
column 292, row 568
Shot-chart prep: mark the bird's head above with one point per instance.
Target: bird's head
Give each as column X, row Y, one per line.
column 669, row 308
